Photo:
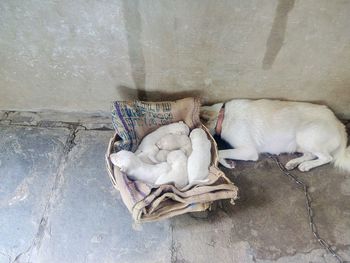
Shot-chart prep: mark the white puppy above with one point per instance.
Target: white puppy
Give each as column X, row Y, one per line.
column 178, row 173
column 273, row 126
column 147, row 150
column 199, row 160
column 131, row 164
column 162, row 155
column 173, row 142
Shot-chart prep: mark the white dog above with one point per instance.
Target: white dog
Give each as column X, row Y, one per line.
column 178, row 173
column 173, row 142
column 132, row 165
column 162, row 155
column 147, row 150
column 199, row 160
column 273, row 126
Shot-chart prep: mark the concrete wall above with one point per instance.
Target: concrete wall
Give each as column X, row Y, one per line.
column 80, row 55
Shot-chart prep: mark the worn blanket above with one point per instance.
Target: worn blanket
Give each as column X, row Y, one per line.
column 133, row 120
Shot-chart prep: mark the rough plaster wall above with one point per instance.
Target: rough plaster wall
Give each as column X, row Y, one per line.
column 79, row 55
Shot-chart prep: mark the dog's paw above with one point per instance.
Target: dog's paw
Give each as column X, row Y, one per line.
column 305, row 167
column 230, row 164
column 291, row 165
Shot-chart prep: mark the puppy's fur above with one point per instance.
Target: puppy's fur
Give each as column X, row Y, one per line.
column 147, row 150
column 199, row 160
column 136, row 169
column 273, row 126
column 173, row 142
column 162, row 155
column 178, row 172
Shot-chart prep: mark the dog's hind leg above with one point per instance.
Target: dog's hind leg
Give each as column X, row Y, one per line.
column 244, row 154
column 319, row 138
column 322, row 158
column 295, row 162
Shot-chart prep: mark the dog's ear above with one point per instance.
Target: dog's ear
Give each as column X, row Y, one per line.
column 207, row 114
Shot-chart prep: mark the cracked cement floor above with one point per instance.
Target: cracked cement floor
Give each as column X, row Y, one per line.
column 58, row 205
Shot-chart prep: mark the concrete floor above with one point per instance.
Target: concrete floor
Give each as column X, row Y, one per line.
column 58, row 205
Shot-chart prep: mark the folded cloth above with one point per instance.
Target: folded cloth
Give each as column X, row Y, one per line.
column 135, row 119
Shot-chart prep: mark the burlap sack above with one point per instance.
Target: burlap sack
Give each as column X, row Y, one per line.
column 135, row 119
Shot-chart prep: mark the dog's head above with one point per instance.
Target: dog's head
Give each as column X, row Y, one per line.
column 209, row 116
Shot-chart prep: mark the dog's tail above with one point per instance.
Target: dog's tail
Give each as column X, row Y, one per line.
column 342, row 156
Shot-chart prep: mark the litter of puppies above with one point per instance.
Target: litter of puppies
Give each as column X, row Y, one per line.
column 165, row 143
column 170, row 154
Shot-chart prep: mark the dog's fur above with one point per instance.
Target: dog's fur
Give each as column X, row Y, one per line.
column 173, row 142
column 273, row 126
column 199, row 160
column 136, row 169
column 177, row 160
column 162, row 155
column 147, row 150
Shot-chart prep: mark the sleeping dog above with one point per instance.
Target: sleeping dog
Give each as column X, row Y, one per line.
column 273, row 126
